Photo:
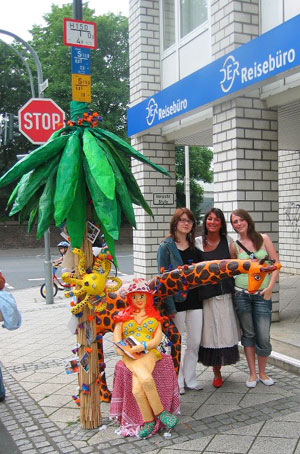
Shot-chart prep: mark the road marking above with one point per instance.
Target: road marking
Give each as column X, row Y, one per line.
column 10, row 287
column 36, row 279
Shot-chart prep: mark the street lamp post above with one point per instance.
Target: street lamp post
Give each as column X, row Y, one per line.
column 47, row 262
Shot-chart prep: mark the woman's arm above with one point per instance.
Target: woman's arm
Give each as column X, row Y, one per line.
column 163, row 260
column 270, row 248
column 233, row 251
column 117, row 336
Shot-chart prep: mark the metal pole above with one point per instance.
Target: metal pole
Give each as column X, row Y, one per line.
column 77, row 9
column 187, row 177
column 25, row 64
column 47, row 262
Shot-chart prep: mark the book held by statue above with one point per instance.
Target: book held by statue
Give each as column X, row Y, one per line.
column 126, row 344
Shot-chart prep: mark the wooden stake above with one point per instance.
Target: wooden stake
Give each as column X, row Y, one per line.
column 90, row 415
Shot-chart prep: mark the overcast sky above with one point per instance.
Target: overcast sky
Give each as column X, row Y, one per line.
column 18, row 16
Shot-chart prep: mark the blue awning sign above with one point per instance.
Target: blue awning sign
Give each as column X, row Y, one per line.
column 255, row 62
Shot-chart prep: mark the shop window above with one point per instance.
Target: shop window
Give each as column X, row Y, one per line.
column 192, row 14
column 168, row 14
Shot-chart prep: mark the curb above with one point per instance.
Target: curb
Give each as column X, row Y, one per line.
column 282, row 361
column 285, row 362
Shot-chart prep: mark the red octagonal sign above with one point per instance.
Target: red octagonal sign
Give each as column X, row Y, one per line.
column 39, row 118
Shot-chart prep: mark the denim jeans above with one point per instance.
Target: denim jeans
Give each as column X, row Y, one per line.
column 2, row 389
column 254, row 314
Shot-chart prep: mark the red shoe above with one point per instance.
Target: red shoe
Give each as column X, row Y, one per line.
column 217, row 382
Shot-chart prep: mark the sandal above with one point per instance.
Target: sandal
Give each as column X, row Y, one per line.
column 146, row 429
column 168, row 419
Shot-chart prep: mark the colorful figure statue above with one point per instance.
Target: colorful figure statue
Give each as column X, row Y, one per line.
column 140, row 321
column 92, row 284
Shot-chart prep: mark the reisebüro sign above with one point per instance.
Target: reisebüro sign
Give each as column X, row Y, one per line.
column 257, row 61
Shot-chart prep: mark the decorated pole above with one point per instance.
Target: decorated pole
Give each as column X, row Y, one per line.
column 90, row 415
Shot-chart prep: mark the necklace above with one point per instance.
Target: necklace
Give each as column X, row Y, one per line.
column 212, row 244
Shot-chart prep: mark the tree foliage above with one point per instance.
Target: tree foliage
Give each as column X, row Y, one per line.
column 200, row 159
column 109, row 74
column 109, row 64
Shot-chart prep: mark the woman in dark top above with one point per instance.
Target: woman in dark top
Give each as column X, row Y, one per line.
column 179, row 249
column 220, row 334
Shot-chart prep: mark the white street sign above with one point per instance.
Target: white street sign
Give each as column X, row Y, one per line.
column 80, row 33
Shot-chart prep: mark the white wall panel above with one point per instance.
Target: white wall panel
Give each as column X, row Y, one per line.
column 169, row 70
column 194, row 55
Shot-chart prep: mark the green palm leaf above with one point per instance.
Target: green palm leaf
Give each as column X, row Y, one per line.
column 36, row 179
column 36, row 158
column 46, row 205
column 131, row 183
column 67, row 178
column 126, row 148
column 99, row 165
column 121, row 189
column 105, row 208
column 76, row 220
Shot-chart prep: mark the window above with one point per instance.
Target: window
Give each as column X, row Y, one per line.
column 168, row 14
column 192, row 14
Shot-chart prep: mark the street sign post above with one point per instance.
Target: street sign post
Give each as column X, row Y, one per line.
column 80, row 33
column 39, row 118
column 81, row 88
column 80, row 61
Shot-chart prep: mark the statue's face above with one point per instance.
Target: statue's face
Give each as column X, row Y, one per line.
column 139, row 300
column 94, row 283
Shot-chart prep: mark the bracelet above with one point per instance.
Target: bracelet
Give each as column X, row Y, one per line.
column 145, row 346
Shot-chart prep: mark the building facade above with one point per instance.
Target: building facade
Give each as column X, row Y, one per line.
column 208, row 57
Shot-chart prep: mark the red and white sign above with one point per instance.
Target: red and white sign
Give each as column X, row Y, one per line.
column 39, row 118
column 80, row 33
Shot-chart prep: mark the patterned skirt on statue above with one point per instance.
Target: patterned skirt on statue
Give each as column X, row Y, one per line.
column 220, row 333
column 123, row 406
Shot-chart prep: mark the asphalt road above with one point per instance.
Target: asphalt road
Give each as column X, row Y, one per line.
column 23, row 268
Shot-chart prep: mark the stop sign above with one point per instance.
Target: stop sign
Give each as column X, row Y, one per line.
column 39, row 118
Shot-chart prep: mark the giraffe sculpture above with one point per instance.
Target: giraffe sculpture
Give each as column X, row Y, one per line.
column 179, row 280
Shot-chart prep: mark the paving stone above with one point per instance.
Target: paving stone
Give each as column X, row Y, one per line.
column 31, row 450
column 230, row 443
column 42, row 444
column 267, row 445
column 46, row 450
column 88, row 449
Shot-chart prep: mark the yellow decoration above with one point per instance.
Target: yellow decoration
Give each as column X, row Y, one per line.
column 91, row 284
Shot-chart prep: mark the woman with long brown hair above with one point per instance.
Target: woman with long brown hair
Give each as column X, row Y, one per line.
column 253, row 310
column 220, row 334
column 186, row 310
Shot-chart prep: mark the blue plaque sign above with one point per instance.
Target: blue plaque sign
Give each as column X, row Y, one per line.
column 255, row 62
column 80, row 60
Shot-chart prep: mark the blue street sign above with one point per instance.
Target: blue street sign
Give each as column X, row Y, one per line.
column 253, row 63
column 80, row 60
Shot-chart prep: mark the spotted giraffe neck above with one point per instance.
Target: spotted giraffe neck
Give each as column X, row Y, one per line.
column 187, row 277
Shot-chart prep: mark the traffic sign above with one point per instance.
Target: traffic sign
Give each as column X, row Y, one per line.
column 39, row 119
column 80, row 60
column 81, row 88
column 80, row 33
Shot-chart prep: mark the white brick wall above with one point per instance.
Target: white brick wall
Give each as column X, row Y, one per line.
column 144, row 81
column 289, row 210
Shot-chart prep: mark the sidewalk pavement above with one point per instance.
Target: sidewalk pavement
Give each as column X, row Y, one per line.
column 39, row 415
